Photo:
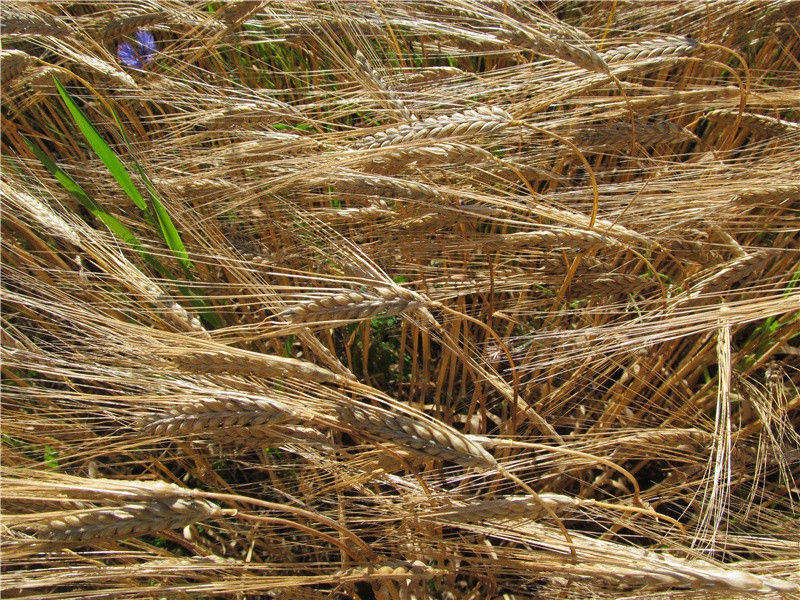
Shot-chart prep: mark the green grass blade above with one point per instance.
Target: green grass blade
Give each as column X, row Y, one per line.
column 102, row 149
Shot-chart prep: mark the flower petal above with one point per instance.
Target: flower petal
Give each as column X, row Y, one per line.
column 147, row 44
column 128, row 55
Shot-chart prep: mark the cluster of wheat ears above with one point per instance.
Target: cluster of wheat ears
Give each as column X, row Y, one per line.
column 394, row 300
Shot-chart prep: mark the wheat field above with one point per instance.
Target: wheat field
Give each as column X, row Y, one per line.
column 400, row 300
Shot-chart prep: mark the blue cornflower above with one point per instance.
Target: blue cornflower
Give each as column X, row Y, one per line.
column 139, row 53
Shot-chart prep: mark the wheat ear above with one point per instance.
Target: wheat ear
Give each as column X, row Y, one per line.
column 13, row 62
column 427, row 437
column 549, row 237
column 763, row 123
column 387, row 94
column 243, row 362
column 214, row 415
column 551, row 45
column 355, row 305
column 649, row 132
column 394, row 158
column 474, row 121
column 22, row 21
column 656, row 48
column 128, row 520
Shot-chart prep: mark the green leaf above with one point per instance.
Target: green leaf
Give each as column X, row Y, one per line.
column 113, row 224
column 51, row 457
column 102, row 149
column 168, row 229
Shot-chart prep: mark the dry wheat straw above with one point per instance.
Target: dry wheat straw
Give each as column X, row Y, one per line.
column 658, row 48
column 355, row 305
column 474, row 121
column 388, row 95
